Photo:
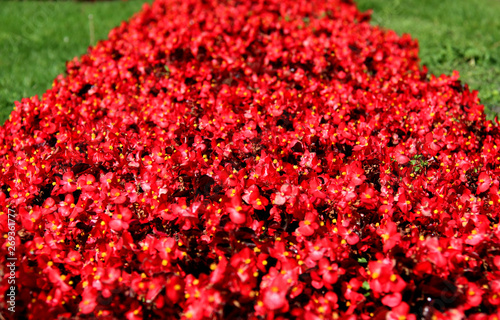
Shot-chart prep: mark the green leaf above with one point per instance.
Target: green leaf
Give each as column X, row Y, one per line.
column 366, row 285
column 362, row 260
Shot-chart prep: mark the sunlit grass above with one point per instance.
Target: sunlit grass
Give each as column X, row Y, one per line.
column 458, row 35
column 37, row 38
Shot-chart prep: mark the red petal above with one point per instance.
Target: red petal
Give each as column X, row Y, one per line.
column 392, row 300
column 352, row 239
column 401, row 159
column 237, row 217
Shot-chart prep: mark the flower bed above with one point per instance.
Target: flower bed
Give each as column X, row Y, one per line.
column 275, row 159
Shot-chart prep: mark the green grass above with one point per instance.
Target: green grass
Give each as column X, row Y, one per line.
column 458, row 35
column 37, row 38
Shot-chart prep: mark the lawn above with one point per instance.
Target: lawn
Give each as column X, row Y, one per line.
column 453, row 34
column 458, row 35
column 37, row 38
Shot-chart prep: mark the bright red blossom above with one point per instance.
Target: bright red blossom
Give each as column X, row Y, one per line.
column 251, row 159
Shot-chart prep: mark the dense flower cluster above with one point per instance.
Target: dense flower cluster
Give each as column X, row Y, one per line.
column 269, row 159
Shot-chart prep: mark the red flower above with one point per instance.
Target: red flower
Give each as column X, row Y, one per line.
column 308, row 225
column 68, row 183
column 484, row 182
column 86, row 183
column 117, row 196
column 237, row 211
column 329, row 272
column 253, row 197
column 274, row 296
column 400, row 312
column 390, row 235
column 120, row 219
column 351, row 237
column 392, row 300
column 473, row 295
column 88, row 303
column 175, row 289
